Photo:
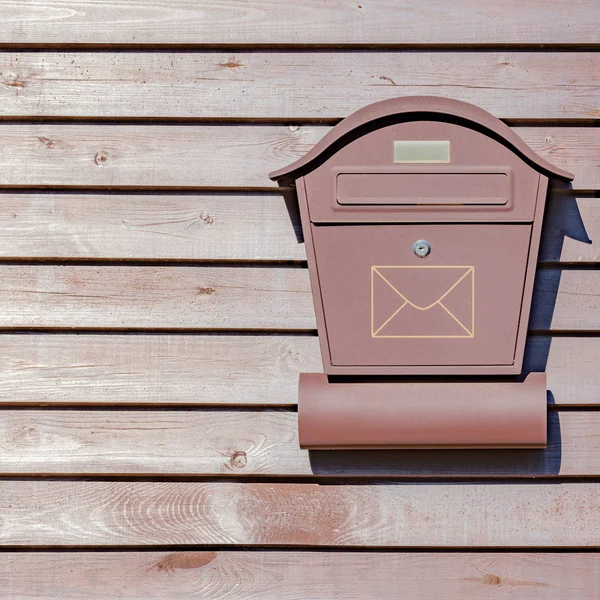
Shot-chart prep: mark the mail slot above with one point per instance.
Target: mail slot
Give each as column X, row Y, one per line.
column 422, row 219
column 423, row 188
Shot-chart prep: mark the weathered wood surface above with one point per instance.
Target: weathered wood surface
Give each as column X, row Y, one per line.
column 249, row 444
column 255, row 227
column 294, row 85
column 83, row 513
column 241, row 370
column 241, row 156
column 278, row 22
column 182, row 369
column 126, row 297
column 155, row 297
column 274, row 575
column 180, row 227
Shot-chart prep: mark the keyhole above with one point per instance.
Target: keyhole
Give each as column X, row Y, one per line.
column 422, row 248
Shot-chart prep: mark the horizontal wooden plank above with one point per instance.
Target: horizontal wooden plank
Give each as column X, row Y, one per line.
column 155, row 297
column 212, row 155
column 293, row 85
column 184, row 227
column 312, row 22
column 140, row 442
column 210, row 443
column 458, row 515
column 272, row 575
column 125, row 297
column 149, row 370
column 167, row 369
column 256, row 227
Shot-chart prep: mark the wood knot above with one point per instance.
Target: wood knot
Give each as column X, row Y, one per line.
column 206, row 291
column 185, row 560
column 232, row 63
column 15, row 82
column 492, row 579
column 46, row 141
column 239, row 459
column 100, row 158
column 206, row 219
column 384, row 78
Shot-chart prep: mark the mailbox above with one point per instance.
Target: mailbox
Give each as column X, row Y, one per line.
column 422, row 219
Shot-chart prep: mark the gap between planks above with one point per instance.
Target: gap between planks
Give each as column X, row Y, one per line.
column 194, row 47
column 530, row 122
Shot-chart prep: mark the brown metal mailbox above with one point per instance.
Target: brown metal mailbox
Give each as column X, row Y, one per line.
column 422, row 220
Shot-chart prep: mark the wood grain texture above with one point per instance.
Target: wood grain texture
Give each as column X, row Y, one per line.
column 204, row 370
column 248, row 444
column 155, row 297
column 459, row 515
column 208, row 298
column 311, row 22
column 230, row 226
column 279, row 575
column 240, row 156
column 294, row 85
column 184, row 227
column 175, row 369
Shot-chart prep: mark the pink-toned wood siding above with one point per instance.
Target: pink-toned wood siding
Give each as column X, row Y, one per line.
column 155, row 308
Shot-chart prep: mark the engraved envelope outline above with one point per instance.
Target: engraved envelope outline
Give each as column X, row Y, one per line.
column 469, row 328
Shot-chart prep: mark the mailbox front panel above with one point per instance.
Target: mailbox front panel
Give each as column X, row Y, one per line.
column 453, row 301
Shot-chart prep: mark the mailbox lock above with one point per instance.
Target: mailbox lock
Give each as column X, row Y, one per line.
column 422, row 248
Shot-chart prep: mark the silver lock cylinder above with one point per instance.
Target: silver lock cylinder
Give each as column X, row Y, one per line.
column 422, row 248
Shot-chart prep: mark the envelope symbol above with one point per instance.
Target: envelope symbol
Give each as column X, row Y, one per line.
column 423, row 302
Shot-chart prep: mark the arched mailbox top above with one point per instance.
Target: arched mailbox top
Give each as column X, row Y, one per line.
column 410, row 108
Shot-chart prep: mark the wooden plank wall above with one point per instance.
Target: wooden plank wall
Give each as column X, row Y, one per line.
column 155, row 308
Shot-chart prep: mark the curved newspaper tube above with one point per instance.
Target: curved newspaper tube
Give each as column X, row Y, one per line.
column 379, row 415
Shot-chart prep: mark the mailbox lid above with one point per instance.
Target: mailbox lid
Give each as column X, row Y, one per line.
column 384, row 306
column 482, row 180
column 410, row 108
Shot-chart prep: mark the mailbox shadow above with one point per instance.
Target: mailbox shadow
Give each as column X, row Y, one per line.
column 562, row 219
column 444, row 463
column 291, row 204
